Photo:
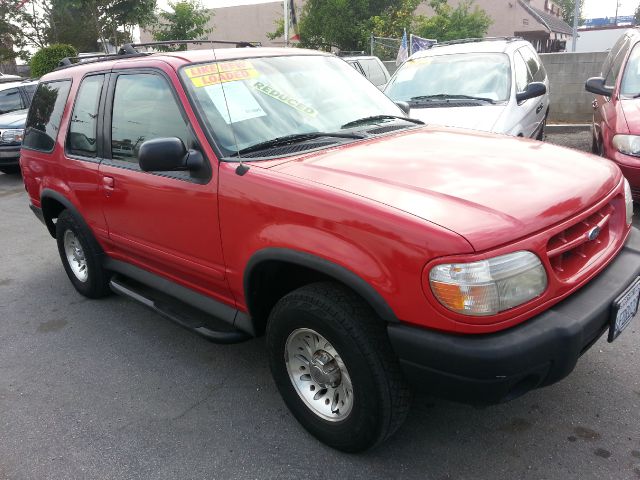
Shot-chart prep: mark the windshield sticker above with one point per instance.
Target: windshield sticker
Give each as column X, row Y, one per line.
column 215, row 73
column 241, row 103
column 284, row 98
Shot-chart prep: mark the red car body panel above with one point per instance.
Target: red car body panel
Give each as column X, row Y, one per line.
column 451, row 198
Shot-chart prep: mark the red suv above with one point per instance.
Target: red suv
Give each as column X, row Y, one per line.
column 247, row 192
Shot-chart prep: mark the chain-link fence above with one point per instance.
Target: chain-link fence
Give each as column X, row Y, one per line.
column 384, row 48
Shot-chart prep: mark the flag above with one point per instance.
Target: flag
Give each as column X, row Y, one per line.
column 419, row 43
column 403, row 53
column 294, row 34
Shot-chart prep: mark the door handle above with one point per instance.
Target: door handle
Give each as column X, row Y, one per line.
column 540, row 107
column 107, row 186
column 594, row 104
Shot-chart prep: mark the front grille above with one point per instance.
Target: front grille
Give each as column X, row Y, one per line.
column 572, row 249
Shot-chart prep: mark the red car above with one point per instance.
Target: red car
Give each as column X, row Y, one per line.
column 248, row 192
column 616, row 115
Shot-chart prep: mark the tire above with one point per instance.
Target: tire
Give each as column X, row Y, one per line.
column 81, row 257
column 342, row 333
column 10, row 169
column 540, row 135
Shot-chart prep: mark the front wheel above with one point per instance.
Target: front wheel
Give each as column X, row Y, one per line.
column 334, row 367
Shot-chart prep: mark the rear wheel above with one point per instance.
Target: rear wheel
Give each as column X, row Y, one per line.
column 334, row 367
column 81, row 257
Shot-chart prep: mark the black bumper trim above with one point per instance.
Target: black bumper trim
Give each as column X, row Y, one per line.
column 500, row 366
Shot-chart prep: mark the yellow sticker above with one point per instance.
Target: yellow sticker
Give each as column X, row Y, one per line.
column 284, row 98
column 215, row 73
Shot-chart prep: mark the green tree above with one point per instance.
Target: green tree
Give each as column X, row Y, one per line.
column 636, row 15
column 448, row 23
column 395, row 19
column 187, row 21
column 568, row 10
column 46, row 59
column 345, row 24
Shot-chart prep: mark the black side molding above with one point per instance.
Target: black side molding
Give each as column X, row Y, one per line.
column 220, row 311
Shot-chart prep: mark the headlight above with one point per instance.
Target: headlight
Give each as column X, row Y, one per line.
column 627, row 144
column 489, row 286
column 13, row 136
column 628, row 201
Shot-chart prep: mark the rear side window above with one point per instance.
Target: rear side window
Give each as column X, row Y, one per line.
column 373, row 71
column 45, row 115
column 538, row 72
column 10, row 100
column 144, row 108
column 616, row 66
column 84, row 118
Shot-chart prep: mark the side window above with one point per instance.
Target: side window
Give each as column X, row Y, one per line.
column 84, row 118
column 523, row 75
column 373, row 71
column 29, row 90
column 538, row 73
column 10, row 100
column 45, row 115
column 606, row 66
column 143, row 109
column 616, row 66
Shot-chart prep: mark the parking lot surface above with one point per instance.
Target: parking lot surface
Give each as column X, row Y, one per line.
column 109, row 390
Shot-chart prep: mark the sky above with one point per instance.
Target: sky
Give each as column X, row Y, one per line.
column 606, row 8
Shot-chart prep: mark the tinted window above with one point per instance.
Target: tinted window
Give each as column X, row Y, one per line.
column 45, row 115
column 143, row 109
column 10, row 100
column 84, row 119
column 523, row 75
column 606, row 67
column 29, row 90
column 373, row 71
column 612, row 77
column 538, row 72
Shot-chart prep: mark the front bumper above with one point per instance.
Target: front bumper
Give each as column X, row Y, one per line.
column 501, row 366
column 9, row 155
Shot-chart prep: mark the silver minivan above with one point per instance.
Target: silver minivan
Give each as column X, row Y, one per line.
column 496, row 85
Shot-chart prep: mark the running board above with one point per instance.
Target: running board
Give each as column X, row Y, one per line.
column 179, row 312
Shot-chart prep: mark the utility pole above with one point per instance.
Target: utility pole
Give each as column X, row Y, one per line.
column 617, row 7
column 576, row 16
column 286, row 22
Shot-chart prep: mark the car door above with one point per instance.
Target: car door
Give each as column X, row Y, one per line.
column 525, row 112
column 538, row 74
column 605, row 115
column 164, row 222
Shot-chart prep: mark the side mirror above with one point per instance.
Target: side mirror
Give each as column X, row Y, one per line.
column 404, row 106
column 533, row 90
column 596, row 85
column 167, row 155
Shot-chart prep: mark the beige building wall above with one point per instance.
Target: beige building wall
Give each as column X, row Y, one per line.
column 249, row 23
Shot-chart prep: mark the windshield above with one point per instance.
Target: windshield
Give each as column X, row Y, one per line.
column 483, row 75
column 631, row 80
column 273, row 97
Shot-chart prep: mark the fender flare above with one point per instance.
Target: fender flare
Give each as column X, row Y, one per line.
column 54, row 195
column 313, row 262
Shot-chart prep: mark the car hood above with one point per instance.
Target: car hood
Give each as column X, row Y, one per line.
column 15, row 119
column 491, row 189
column 482, row 117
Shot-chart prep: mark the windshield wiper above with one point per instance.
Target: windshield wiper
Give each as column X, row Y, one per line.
column 446, row 96
column 290, row 139
column 373, row 118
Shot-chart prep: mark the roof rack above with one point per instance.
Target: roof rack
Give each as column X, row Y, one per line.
column 129, row 50
column 475, row 40
column 351, row 53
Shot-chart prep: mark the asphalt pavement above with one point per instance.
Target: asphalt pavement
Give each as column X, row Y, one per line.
column 109, row 390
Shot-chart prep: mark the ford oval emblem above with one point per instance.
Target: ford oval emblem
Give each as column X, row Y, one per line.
column 593, row 234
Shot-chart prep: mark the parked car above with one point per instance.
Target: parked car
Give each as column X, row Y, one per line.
column 15, row 98
column 616, row 119
column 371, row 67
column 494, row 85
column 249, row 191
column 4, row 77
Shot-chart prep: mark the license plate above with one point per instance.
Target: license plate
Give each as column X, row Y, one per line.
column 625, row 308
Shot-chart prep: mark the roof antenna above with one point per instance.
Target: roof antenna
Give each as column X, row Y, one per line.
column 241, row 169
